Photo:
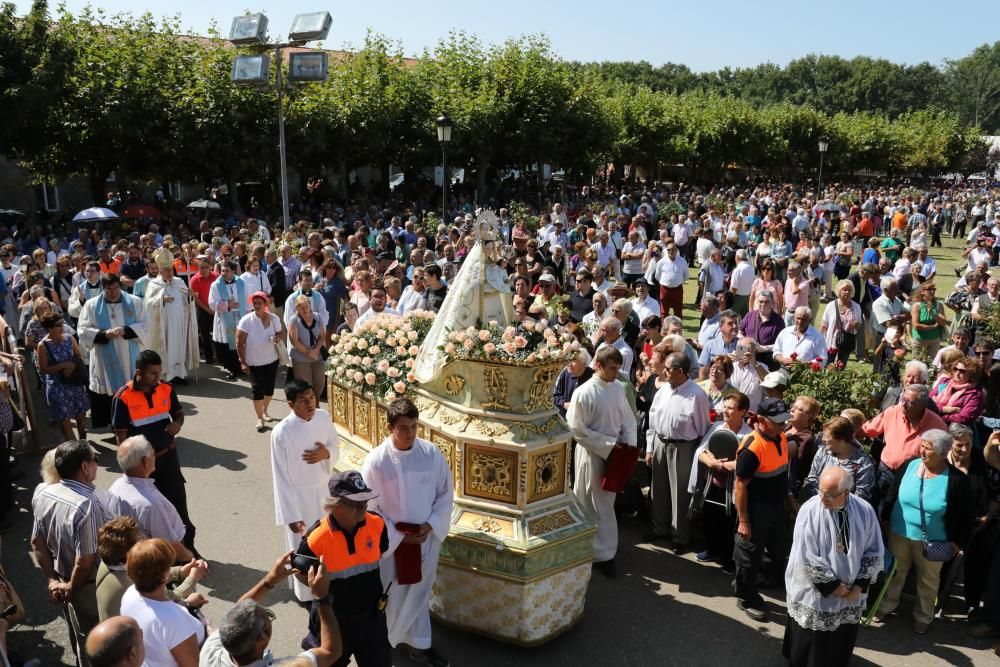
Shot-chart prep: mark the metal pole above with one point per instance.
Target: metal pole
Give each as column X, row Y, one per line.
column 444, row 181
column 819, row 184
column 285, row 216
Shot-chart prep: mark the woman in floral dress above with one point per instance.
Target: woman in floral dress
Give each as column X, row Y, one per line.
column 55, row 361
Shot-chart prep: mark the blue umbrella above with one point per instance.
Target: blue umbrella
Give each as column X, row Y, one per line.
column 95, row 213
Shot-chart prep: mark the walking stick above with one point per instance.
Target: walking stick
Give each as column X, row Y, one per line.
column 881, row 594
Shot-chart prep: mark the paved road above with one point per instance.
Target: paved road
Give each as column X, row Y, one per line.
column 662, row 609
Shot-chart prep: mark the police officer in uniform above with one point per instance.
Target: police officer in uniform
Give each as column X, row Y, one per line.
column 350, row 541
column 146, row 406
column 761, row 495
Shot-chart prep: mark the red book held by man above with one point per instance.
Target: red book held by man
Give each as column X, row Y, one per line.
column 619, row 467
column 408, row 570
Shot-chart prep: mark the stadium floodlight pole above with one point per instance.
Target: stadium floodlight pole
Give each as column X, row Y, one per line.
column 824, row 145
column 444, row 138
column 251, row 30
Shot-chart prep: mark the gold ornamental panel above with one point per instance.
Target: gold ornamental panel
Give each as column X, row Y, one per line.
column 356, row 457
column 486, row 524
column 339, row 401
column 363, row 415
column 489, row 474
column 540, row 391
column 381, row 424
column 495, row 384
column 549, row 523
column 547, row 474
column 446, row 446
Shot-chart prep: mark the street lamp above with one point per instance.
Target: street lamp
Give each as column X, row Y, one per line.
column 824, row 144
column 444, row 138
column 251, row 30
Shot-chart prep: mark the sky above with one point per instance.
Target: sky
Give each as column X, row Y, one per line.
column 705, row 37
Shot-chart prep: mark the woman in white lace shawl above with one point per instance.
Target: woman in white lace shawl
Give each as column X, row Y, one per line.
column 836, row 555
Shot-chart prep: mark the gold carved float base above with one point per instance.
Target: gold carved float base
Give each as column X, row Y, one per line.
column 517, row 560
column 520, row 613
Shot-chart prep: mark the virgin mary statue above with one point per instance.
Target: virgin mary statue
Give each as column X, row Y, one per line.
column 478, row 295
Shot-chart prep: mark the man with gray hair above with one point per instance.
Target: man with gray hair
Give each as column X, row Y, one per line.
column 678, row 420
column 800, row 342
column 888, row 310
column 902, row 426
column 915, row 372
column 245, row 630
column 135, row 494
column 611, row 331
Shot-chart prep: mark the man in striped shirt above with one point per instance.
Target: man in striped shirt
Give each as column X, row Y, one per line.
column 135, row 494
column 64, row 535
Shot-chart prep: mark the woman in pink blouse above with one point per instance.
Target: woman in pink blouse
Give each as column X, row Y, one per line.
column 766, row 281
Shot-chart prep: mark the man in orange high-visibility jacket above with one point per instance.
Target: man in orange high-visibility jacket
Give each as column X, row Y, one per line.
column 761, row 494
column 350, row 541
column 145, row 406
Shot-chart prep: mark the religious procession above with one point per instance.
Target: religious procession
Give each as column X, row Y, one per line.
column 802, row 417
column 624, row 378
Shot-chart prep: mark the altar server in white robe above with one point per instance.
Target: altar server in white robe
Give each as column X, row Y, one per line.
column 113, row 328
column 599, row 418
column 303, row 445
column 836, row 556
column 415, row 496
column 173, row 328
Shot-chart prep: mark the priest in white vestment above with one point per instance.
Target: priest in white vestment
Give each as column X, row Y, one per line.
column 599, row 417
column 836, row 556
column 113, row 328
column 302, row 446
column 173, row 327
column 415, row 496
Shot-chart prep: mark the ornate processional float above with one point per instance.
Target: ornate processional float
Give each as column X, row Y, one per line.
column 517, row 561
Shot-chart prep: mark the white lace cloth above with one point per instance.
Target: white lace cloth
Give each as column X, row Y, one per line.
column 815, row 559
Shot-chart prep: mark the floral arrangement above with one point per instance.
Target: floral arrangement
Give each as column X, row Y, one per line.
column 835, row 387
column 378, row 358
column 526, row 344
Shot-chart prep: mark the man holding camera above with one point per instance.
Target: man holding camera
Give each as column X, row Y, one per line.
column 350, row 541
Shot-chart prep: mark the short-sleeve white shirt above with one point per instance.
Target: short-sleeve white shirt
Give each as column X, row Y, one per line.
column 260, row 350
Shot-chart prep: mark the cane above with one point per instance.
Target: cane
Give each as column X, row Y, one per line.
column 881, row 594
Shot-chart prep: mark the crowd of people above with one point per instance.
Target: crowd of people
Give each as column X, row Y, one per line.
column 739, row 468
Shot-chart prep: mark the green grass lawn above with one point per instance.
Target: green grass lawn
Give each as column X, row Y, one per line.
column 947, row 258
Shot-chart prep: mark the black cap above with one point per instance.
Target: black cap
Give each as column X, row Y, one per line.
column 773, row 409
column 640, row 281
column 385, row 255
column 350, row 485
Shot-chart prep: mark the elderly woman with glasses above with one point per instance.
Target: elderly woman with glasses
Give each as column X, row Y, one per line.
column 929, row 503
column 960, row 399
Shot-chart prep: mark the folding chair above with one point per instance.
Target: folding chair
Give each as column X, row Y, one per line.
column 77, row 638
column 867, row 621
column 722, row 445
column 955, row 570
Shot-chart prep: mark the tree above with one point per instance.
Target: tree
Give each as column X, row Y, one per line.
column 114, row 109
column 975, row 86
column 369, row 111
column 32, row 67
column 982, row 158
